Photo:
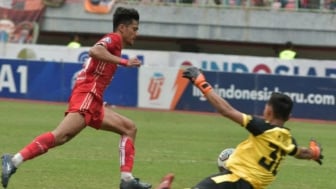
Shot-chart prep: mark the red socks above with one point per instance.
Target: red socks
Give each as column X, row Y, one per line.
column 126, row 153
column 38, row 146
column 44, row 142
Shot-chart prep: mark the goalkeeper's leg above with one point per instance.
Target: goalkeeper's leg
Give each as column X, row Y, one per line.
column 166, row 181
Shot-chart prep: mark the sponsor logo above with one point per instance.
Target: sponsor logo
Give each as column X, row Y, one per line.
column 107, row 39
column 155, row 86
column 264, row 94
column 83, row 56
column 263, row 68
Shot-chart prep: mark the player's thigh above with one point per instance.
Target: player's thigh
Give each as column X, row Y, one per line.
column 115, row 122
column 223, row 181
column 208, row 183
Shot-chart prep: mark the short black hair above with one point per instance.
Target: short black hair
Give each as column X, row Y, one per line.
column 289, row 44
column 282, row 105
column 125, row 16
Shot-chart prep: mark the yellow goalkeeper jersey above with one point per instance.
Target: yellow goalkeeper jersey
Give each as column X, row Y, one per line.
column 257, row 159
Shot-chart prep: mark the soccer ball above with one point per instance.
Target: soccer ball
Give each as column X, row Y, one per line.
column 223, row 157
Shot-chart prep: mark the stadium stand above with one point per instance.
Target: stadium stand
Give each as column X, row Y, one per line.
column 242, row 27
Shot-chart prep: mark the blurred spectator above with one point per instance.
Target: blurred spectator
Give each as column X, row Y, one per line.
column 170, row 1
column 303, row 3
column 276, row 4
column 7, row 28
column 27, row 5
column 75, row 42
column 283, row 3
column 290, row 5
column 6, row 4
column 148, row 1
column 233, row 2
column 209, row 2
column 18, row 4
column 288, row 53
column 259, row 3
column 218, row 2
column 313, row 4
column 23, row 32
column 331, row 4
column 187, row 1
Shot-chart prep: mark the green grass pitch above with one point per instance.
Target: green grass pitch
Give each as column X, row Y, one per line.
column 183, row 143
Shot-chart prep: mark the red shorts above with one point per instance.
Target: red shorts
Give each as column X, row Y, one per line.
column 89, row 105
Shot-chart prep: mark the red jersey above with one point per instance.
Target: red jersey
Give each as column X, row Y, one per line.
column 97, row 74
column 91, row 82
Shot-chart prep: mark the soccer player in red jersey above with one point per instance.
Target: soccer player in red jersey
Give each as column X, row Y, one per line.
column 86, row 103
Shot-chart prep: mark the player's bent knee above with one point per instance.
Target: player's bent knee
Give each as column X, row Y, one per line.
column 63, row 139
column 132, row 129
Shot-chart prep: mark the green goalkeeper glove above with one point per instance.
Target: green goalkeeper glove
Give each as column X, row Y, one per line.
column 316, row 150
column 196, row 76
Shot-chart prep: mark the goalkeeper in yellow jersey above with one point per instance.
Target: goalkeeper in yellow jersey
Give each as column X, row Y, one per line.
column 255, row 161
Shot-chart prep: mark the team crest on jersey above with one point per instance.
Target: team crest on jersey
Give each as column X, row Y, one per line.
column 107, row 40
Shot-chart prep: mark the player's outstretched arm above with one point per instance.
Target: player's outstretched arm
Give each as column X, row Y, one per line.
column 99, row 52
column 313, row 152
column 195, row 75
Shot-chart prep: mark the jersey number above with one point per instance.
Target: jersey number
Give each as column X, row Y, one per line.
column 275, row 156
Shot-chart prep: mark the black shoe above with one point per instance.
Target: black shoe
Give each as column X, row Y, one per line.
column 8, row 169
column 134, row 184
